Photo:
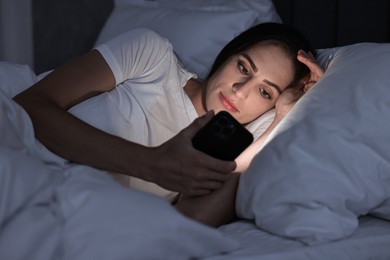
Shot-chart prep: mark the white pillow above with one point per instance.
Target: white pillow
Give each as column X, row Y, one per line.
column 14, row 78
column 265, row 8
column 197, row 34
column 258, row 126
column 328, row 161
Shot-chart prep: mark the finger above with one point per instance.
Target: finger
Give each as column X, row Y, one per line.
column 197, row 192
column 308, row 56
column 218, row 166
column 306, row 59
column 311, row 55
column 197, row 124
column 211, row 169
column 310, row 62
column 308, row 86
column 205, row 187
column 217, row 176
column 211, row 185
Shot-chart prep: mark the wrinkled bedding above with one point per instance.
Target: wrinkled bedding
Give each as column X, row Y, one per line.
column 53, row 209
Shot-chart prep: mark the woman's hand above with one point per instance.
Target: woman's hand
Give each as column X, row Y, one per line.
column 178, row 166
column 286, row 101
column 291, row 95
column 316, row 72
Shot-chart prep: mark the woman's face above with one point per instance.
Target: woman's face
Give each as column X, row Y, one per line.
column 249, row 83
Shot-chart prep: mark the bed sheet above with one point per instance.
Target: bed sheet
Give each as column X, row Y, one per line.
column 370, row 241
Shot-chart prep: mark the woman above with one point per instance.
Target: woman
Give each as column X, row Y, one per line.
column 163, row 103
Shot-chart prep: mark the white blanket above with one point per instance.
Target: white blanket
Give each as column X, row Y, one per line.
column 51, row 209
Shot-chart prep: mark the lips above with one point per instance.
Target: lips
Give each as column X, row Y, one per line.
column 227, row 103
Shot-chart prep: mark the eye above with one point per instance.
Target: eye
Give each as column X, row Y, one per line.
column 265, row 93
column 242, row 68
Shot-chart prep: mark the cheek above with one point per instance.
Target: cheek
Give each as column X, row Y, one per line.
column 212, row 82
column 210, row 89
column 215, row 84
column 210, row 98
column 224, row 74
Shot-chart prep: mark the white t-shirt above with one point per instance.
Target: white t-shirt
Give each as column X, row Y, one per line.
column 148, row 106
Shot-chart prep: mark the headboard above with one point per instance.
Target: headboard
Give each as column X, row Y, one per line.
column 64, row 29
column 331, row 23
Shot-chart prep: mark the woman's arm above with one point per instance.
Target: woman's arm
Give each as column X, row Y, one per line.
column 215, row 209
column 64, row 134
column 175, row 165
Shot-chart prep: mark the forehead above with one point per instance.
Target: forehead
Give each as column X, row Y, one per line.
column 267, row 45
column 273, row 62
column 272, row 42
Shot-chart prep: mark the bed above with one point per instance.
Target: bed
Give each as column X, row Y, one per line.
column 320, row 189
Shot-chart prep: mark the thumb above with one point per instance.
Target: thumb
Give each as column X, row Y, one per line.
column 197, row 124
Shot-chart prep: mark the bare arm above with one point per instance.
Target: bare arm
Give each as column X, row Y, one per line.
column 47, row 101
column 215, row 209
column 61, row 132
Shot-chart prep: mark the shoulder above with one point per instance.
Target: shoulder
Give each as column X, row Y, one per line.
column 146, row 34
column 135, row 52
column 141, row 39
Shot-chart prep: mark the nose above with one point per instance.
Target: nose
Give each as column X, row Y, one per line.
column 242, row 89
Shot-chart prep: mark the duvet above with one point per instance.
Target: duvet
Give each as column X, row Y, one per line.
column 54, row 209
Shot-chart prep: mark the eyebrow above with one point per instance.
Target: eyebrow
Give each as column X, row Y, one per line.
column 254, row 68
column 273, row 85
column 250, row 62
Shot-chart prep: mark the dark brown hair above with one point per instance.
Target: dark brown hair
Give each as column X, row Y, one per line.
column 289, row 38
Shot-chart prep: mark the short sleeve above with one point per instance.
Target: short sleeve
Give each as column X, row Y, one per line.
column 134, row 53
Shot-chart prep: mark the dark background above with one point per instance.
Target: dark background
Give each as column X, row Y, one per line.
column 64, row 29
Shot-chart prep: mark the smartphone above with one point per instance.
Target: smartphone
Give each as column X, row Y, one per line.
column 223, row 137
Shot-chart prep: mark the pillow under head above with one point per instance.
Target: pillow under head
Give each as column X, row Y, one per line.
column 328, row 162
